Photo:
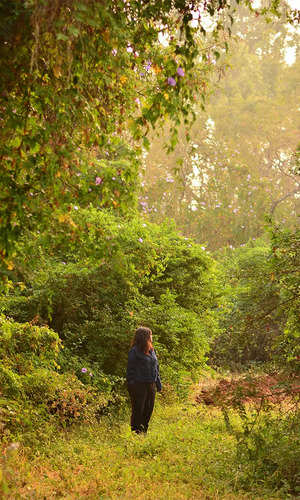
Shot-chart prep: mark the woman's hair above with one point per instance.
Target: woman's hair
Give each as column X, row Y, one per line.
column 142, row 339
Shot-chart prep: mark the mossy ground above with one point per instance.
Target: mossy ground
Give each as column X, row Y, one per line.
column 187, row 454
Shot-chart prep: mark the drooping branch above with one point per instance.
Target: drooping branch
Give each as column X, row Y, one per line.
column 283, row 198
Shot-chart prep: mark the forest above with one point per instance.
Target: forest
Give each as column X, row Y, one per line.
column 150, row 176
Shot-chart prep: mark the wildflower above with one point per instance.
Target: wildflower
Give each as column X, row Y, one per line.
column 137, row 101
column 98, row 180
column 141, row 240
column 91, row 374
column 84, row 370
column 75, row 207
column 203, row 248
column 113, row 178
column 171, row 81
column 180, row 71
column 114, row 52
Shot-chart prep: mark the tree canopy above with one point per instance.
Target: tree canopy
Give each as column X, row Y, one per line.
column 82, row 82
column 241, row 162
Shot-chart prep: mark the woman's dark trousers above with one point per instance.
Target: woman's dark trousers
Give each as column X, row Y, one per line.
column 142, row 395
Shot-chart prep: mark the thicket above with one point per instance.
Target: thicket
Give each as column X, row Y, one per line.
column 261, row 296
column 36, row 398
column 93, row 285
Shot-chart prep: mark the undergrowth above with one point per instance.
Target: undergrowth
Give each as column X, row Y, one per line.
column 187, row 454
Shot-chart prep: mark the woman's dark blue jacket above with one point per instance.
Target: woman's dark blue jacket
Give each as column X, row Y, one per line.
column 142, row 367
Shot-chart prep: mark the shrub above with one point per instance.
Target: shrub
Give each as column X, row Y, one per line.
column 34, row 396
column 94, row 289
column 268, row 448
column 28, row 344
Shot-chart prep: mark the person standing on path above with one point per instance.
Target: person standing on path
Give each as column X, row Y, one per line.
column 142, row 379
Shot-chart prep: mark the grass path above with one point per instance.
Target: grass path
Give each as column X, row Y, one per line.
column 187, row 454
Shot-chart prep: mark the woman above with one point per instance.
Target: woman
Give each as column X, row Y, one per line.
column 142, row 378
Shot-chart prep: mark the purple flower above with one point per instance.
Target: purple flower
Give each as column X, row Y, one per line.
column 203, row 248
column 171, row 81
column 114, row 52
column 137, row 101
column 180, row 71
column 141, row 240
column 113, row 178
column 75, row 207
column 84, row 370
column 98, row 180
column 91, row 374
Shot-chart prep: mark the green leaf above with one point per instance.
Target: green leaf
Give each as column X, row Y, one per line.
column 61, row 36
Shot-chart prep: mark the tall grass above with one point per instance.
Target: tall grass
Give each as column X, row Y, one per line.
column 187, row 454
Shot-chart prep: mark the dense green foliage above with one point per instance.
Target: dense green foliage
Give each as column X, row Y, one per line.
column 76, row 74
column 260, row 317
column 35, row 397
column 96, row 280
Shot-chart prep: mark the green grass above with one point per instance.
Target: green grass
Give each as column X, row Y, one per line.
column 187, row 454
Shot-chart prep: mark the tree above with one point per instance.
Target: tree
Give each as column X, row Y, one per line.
column 76, row 73
column 240, row 163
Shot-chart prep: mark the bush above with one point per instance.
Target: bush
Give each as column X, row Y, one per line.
column 27, row 345
column 34, row 396
column 259, row 316
column 268, row 448
column 73, row 402
column 95, row 288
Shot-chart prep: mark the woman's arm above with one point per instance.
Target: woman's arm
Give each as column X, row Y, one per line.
column 131, row 368
column 158, row 381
